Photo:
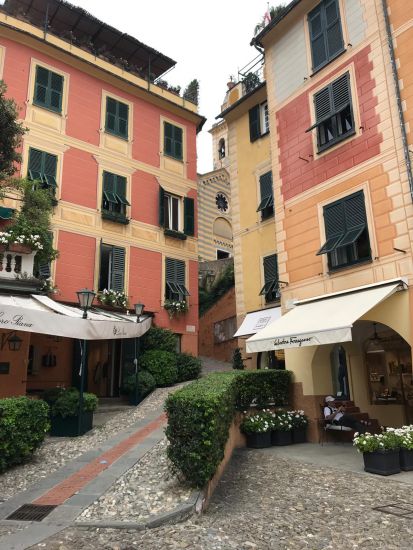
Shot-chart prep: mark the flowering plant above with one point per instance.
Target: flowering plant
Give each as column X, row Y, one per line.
column 298, row 419
column 405, row 435
column 258, row 423
column 369, row 443
column 113, row 298
column 175, row 307
column 282, row 421
column 31, row 240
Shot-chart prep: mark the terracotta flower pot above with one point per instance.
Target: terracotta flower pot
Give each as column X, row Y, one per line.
column 20, row 248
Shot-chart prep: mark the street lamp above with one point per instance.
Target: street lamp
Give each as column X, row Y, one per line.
column 138, row 310
column 14, row 343
column 85, row 298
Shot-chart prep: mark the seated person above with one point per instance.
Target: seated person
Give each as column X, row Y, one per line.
column 337, row 416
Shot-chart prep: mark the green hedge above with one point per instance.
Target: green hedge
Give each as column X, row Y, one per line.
column 199, row 416
column 146, row 383
column 162, row 366
column 189, row 367
column 23, row 426
column 161, row 339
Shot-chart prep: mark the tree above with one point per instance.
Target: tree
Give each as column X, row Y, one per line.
column 11, row 133
column 237, row 362
column 191, row 92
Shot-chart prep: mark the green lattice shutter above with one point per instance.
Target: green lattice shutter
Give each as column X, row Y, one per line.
column 118, row 269
column 254, row 120
column 317, row 38
column 189, row 216
column 111, row 115
column 334, row 35
column 49, row 170
column 168, row 139
column 161, row 207
column 35, row 164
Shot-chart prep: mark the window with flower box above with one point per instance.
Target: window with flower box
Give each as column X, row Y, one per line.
column 114, row 201
column 112, row 268
column 175, row 280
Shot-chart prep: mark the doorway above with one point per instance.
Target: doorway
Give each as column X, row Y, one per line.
column 339, row 373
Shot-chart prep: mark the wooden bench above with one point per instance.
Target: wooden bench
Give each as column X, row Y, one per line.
column 325, row 426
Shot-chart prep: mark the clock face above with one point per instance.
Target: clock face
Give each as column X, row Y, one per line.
column 222, row 202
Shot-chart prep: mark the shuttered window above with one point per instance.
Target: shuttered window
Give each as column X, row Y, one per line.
column 173, row 136
column 114, row 199
column 48, row 89
column 112, row 268
column 334, row 113
column 42, row 168
column 266, row 205
column 259, row 121
column 271, row 282
column 170, row 213
column 175, row 279
column 117, row 116
column 347, row 237
column 326, row 36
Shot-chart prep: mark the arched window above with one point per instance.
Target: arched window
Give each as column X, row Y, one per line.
column 222, row 228
column 221, row 148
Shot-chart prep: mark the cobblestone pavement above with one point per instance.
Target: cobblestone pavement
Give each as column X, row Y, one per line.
column 265, row 502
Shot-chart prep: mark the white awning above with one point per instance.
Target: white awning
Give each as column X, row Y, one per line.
column 323, row 320
column 257, row 320
column 45, row 316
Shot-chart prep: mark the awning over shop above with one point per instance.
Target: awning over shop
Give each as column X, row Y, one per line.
column 6, row 213
column 322, row 320
column 257, row 320
column 45, row 316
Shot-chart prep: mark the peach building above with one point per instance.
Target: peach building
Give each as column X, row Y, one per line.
column 119, row 155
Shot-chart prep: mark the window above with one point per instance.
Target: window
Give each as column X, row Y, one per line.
column 175, row 280
column 259, row 121
column 225, row 330
column 326, row 36
column 172, row 146
column 222, row 254
column 48, row 89
column 221, row 148
column 114, row 201
column 112, row 268
column 271, row 283
column 42, row 167
column 333, row 113
column 170, row 213
column 222, row 202
column 266, row 206
column 347, row 236
column 117, row 115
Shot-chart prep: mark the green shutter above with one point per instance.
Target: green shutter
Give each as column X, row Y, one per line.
column 49, row 170
column 110, row 115
column 48, row 89
column 326, row 35
column 122, row 122
column 120, row 190
column 334, row 35
column 118, row 269
column 40, row 86
column 266, row 192
column 109, row 189
column 117, row 116
column 161, row 207
column 254, row 120
column 173, row 137
column 317, row 38
column 178, row 143
column 43, row 167
column 271, row 283
column 340, row 93
column 189, row 216
column 175, row 277
column 35, row 164
column 55, row 91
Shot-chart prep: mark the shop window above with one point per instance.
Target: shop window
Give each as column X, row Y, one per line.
column 266, row 206
column 175, row 280
column 347, row 236
column 48, row 89
column 259, row 121
column 270, row 290
column 112, row 268
column 173, row 141
column 334, row 113
column 114, row 201
column 326, row 36
column 117, row 116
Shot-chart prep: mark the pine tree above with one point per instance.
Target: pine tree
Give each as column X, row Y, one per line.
column 237, row 362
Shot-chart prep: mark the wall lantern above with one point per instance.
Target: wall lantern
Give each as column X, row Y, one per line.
column 14, row 343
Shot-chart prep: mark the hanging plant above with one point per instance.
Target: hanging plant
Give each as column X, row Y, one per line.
column 113, row 298
column 175, row 307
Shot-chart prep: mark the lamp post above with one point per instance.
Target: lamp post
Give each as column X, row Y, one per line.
column 138, row 310
column 85, row 298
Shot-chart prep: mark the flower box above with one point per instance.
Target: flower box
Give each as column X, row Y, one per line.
column 19, row 248
column 280, row 438
column 384, row 463
column 406, row 460
column 69, row 426
column 299, row 435
column 258, row 440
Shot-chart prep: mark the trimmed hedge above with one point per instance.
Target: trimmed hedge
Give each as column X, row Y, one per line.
column 23, row 426
column 146, row 383
column 189, row 367
column 199, row 416
column 65, row 401
column 161, row 339
column 162, row 366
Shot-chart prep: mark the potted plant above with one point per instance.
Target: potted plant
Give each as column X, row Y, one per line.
column 299, row 422
column 257, row 428
column 113, row 298
column 175, row 307
column 380, row 452
column 405, row 435
column 281, row 433
column 64, row 411
column 146, row 384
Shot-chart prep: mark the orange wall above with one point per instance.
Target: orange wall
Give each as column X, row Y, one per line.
column 145, row 278
column 147, row 186
column 49, row 377
column 80, row 177
column 14, row 383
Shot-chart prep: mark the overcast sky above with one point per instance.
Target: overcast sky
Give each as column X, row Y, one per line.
column 208, row 40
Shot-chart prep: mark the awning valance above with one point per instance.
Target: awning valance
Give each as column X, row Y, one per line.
column 45, row 316
column 324, row 320
column 257, row 320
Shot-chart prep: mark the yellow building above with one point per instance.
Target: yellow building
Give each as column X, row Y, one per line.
column 340, row 103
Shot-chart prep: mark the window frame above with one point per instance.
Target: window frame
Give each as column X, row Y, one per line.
column 117, row 118
column 257, row 116
column 175, row 289
column 169, row 199
column 47, row 104
column 48, row 181
column 173, row 154
column 321, row 6
column 111, row 271
column 120, row 212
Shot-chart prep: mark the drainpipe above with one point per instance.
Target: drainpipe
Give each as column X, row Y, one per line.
column 398, row 98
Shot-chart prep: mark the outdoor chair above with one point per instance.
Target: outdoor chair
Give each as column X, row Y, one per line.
column 325, row 427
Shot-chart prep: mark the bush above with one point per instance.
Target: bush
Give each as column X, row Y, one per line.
column 67, row 403
column 189, row 367
column 160, row 339
column 237, row 362
column 146, row 383
column 23, row 426
column 199, row 417
column 162, row 365
column 263, row 387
